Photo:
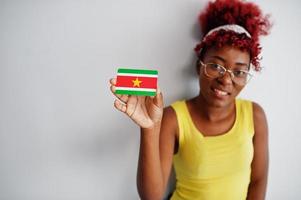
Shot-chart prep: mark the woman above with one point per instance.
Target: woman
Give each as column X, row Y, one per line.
column 217, row 143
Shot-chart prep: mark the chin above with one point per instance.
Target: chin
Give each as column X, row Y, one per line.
column 219, row 101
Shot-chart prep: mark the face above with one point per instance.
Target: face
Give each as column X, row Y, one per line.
column 221, row 92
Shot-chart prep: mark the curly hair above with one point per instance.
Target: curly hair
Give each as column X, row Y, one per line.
column 245, row 14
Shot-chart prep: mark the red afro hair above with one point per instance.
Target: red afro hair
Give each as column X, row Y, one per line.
column 245, row 14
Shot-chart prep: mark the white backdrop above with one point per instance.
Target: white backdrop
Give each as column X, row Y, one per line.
column 61, row 138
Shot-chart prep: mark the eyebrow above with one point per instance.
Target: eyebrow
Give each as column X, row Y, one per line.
column 223, row 60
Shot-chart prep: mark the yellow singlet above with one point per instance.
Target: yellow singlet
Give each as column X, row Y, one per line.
column 214, row 167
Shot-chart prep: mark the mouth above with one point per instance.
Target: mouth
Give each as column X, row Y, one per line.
column 220, row 93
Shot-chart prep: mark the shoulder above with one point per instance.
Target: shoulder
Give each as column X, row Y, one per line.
column 175, row 109
column 170, row 117
column 170, row 122
column 258, row 112
column 259, row 117
column 169, row 112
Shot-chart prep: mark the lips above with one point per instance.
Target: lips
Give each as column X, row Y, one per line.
column 220, row 92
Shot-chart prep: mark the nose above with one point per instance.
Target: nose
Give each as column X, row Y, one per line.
column 226, row 78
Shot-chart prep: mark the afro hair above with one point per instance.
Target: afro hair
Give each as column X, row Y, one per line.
column 243, row 13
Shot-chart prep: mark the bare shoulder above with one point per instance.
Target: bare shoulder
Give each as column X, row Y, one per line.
column 259, row 116
column 170, row 119
column 258, row 112
column 169, row 128
column 170, row 112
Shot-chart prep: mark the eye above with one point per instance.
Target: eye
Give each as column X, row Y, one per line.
column 215, row 66
column 240, row 73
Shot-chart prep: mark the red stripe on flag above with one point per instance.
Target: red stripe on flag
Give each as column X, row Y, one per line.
column 127, row 81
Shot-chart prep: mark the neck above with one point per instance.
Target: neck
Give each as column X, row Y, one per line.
column 213, row 113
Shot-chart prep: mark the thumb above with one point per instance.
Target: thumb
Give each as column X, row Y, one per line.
column 158, row 99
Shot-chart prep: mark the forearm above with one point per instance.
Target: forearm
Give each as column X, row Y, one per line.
column 257, row 190
column 149, row 173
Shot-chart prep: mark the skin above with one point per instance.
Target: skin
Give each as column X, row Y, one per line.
column 211, row 113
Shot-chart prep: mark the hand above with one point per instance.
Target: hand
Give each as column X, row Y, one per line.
column 146, row 111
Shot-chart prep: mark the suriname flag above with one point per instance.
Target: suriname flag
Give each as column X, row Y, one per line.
column 136, row 82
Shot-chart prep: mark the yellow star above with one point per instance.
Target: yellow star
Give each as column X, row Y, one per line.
column 136, row 82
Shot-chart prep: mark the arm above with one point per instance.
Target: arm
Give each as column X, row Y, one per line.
column 155, row 158
column 258, row 184
column 157, row 139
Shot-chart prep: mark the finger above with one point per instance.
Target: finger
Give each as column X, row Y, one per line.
column 113, row 88
column 122, row 97
column 113, row 81
column 158, row 100
column 132, row 105
column 158, row 91
column 120, row 106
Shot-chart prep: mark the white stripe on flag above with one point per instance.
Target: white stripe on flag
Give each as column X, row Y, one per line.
column 137, row 75
column 136, row 89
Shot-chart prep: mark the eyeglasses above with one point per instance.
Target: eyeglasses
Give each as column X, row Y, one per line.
column 213, row 70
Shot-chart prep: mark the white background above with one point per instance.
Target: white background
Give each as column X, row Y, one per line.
column 61, row 138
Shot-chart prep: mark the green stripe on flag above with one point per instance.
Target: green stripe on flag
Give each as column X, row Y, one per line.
column 138, row 93
column 137, row 71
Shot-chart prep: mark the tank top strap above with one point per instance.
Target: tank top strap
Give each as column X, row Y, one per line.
column 182, row 118
column 245, row 108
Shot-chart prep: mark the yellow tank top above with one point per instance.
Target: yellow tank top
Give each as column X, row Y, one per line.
column 214, row 167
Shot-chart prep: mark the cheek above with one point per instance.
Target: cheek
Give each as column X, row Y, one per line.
column 237, row 90
column 204, row 83
column 204, row 80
